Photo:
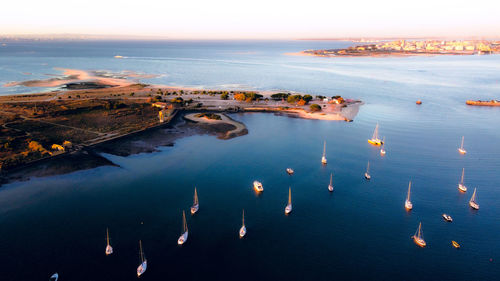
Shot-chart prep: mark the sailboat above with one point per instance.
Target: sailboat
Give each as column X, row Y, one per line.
column 461, row 185
column 418, row 238
column 288, row 208
column 289, row 171
column 323, row 159
column 447, row 217
column 408, row 204
column 472, row 201
column 243, row 229
column 184, row 236
column 367, row 174
column 462, row 149
column 330, row 186
column 196, row 205
column 455, row 244
column 144, row 262
column 382, row 149
column 375, row 140
column 54, row 277
column 109, row 249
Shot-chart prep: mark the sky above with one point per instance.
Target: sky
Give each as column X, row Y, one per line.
column 253, row 19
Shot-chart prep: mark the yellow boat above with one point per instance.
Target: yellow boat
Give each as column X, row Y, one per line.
column 455, row 244
column 375, row 140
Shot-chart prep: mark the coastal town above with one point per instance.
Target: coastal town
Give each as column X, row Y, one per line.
column 414, row 47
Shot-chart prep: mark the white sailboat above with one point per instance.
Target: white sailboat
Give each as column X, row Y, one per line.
column 408, row 204
column 367, row 174
column 54, row 277
column 418, row 238
column 461, row 185
column 472, row 202
column 184, row 236
column 290, row 171
column 196, row 205
column 243, row 229
column 144, row 262
column 109, row 249
column 288, row 208
column 382, row 149
column 462, row 149
column 375, row 139
column 330, row 186
column 257, row 185
column 323, row 158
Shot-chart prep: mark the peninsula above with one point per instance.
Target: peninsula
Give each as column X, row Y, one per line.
column 34, row 127
column 411, row 48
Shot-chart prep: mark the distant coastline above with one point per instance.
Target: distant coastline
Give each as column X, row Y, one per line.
column 400, row 48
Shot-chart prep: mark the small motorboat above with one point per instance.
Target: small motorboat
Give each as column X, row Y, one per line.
column 455, row 244
column 257, row 185
column 290, row 171
column 447, row 218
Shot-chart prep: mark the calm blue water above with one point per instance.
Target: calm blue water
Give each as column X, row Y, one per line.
column 360, row 232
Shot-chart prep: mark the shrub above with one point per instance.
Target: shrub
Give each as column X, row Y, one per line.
column 294, row 98
column 307, row 98
column 239, row 97
column 315, row 107
column 224, row 96
column 301, row 102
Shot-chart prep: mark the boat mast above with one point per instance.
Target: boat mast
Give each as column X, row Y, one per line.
column 195, row 197
column 419, row 230
column 473, row 199
column 107, row 236
column 408, row 196
column 368, row 168
column 375, row 133
column 140, row 249
column 462, row 180
column 184, row 223
column 289, row 196
column 324, row 149
column 331, row 175
column 243, row 218
column 462, row 145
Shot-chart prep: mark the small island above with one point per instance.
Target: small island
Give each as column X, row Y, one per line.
column 411, row 48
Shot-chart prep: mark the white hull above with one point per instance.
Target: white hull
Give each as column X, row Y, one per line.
column 54, row 277
column 258, row 186
column 367, row 176
column 289, row 171
column 109, row 250
column 462, row 187
column 330, row 187
column 382, row 152
column 288, row 209
column 474, row 205
column 194, row 209
column 323, row 160
column 419, row 241
column 447, row 218
column 183, row 238
column 142, row 268
column 462, row 151
column 408, row 205
column 243, row 231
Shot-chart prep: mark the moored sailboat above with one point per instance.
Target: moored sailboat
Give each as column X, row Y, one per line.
column 184, row 236
column 462, row 149
column 144, row 263
column 408, row 204
column 375, row 139
column 418, row 238
column 109, row 249
column 455, row 244
column 288, row 208
column 323, row 158
column 54, row 277
column 290, row 171
column 461, row 185
column 382, row 149
column 447, row 218
column 196, row 204
column 472, row 202
column 243, row 229
column 330, row 186
column 367, row 173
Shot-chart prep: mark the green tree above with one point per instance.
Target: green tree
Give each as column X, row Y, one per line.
column 315, row 107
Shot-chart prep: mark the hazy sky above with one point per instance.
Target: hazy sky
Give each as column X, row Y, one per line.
column 253, row 18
